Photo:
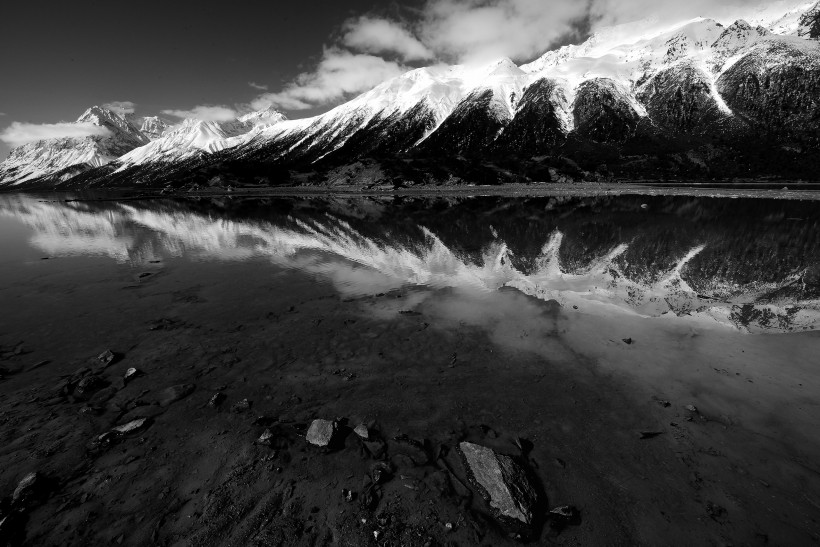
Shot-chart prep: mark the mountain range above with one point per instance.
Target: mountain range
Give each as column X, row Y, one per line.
column 698, row 100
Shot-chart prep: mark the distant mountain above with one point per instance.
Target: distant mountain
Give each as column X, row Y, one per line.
column 153, row 127
column 63, row 158
column 698, row 99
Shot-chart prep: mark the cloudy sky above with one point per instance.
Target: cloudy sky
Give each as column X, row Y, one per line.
column 211, row 59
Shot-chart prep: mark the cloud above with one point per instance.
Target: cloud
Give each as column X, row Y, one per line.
column 260, row 87
column 206, row 113
column 2, row 113
column 376, row 35
column 340, row 73
column 18, row 133
column 482, row 31
column 120, row 107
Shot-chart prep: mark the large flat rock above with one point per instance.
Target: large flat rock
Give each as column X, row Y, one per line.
column 503, row 483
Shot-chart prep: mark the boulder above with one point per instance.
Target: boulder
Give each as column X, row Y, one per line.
column 503, row 484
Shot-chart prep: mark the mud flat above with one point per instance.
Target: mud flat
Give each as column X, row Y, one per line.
column 627, row 428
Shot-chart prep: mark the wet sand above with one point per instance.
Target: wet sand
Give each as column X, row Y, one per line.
column 555, row 386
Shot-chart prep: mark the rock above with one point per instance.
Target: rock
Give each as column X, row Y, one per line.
column 131, row 373
column 175, row 393
column 649, row 434
column 361, row 431
column 321, row 432
column 132, row 426
column 266, row 438
column 628, row 341
column 564, row 511
column 88, row 386
column 502, row 482
column 562, row 516
column 216, row 400
column 106, row 358
column 691, row 408
column 380, row 472
column 28, row 491
column 242, row 406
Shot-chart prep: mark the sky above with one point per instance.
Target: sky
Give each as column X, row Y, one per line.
column 213, row 59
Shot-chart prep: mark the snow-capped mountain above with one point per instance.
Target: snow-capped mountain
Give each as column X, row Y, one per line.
column 194, row 137
column 684, row 96
column 65, row 157
column 154, row 127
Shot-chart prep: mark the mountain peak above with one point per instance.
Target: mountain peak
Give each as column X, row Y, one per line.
column 98, row 115
column 267, row 115
column 503, row 67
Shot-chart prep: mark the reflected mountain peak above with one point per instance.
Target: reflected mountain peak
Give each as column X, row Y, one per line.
column 684, row 260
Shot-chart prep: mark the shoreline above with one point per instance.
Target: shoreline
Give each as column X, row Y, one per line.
column 798, row 191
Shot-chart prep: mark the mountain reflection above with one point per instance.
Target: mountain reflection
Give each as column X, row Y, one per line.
column 749, row 263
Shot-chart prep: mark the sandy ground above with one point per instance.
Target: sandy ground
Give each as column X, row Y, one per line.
column 557, row 387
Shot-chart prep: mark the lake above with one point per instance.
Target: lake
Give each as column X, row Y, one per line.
column 650, row 360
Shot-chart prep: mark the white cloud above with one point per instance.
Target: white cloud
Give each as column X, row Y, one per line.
column 376, row 35
column 121, row 107
column 482, row 31
column 260, row 87
column 2, row 113
column 339, row 74
column 206, row 113
column 18, row 133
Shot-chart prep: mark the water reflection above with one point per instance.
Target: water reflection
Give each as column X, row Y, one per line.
column 752, row 264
